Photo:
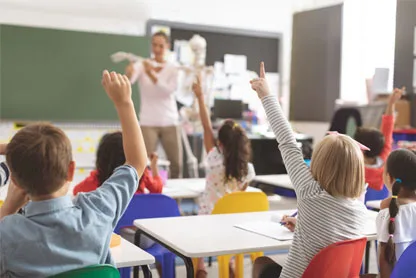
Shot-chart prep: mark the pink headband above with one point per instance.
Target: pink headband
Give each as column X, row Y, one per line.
column 362, row 147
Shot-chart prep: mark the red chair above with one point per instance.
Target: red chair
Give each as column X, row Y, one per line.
column 341, row 259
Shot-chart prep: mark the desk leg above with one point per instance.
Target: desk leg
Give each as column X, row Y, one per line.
column 367, row 257
column 188, row 261
column 146, row 271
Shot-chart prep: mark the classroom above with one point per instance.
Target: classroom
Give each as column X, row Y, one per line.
column 200, row 139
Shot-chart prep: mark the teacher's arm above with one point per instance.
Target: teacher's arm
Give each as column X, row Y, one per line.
column 133, row 71
column 168, row 84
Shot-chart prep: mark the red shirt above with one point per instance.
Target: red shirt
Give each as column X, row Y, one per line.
column 374, row 176
column 153, row 184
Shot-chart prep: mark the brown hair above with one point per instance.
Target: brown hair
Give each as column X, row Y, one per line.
column 163, row 35
column 110, row 155
column 236, row 150
column 338, row 166
column 400, row 166
column 372, row 138
column 39, row 156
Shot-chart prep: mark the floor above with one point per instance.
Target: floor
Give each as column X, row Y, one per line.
column 276, row 203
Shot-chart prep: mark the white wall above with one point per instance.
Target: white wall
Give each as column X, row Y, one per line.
column 130, row 17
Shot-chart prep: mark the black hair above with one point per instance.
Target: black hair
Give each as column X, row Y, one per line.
column 400, row 166
column 236, row 150
column 372, row 138
column 110, row 155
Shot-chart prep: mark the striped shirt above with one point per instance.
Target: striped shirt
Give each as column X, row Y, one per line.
column 4, row 174
column 322, row 218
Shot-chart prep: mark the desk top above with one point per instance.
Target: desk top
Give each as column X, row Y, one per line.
column 216, row 234
column 127, row 255
column 275, row 180
column 374, row 204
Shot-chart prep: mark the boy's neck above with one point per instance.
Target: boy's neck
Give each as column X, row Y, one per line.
column 63, row 191
column 370, row 160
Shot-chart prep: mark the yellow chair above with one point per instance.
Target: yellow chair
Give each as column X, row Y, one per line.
column 239, row 202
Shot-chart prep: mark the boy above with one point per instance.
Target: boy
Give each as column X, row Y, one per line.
column 380, row 143
column 56, row 234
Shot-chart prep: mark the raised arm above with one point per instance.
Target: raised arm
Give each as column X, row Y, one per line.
column 118, row 89
column 387, row 122
column 16, row 198
column 209, row 139
column 292, row 155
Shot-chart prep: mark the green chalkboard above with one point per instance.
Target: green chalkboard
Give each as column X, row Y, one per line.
column 55, row 75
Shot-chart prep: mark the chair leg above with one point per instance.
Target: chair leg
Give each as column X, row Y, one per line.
column 223, row 266
column 256, row 255
column 209, row 261
column 195, row 263
column 239, row 266
column 125, row 272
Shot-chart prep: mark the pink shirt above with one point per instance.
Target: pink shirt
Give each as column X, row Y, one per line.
column 157, row 101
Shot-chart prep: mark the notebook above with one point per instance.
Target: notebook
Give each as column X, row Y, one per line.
column 267, row 228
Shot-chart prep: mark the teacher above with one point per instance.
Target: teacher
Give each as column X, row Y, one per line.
column 159, row 117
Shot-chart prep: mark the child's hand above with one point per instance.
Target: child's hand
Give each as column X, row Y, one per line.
column 396, row 95
column 196, row 87
column 117, row 86
column 153, row 159
column 260, row 84
column 290, row 222
column 3, row 149
column 16, row 198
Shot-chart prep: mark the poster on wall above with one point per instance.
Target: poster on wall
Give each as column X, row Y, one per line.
column 414, row 73
column 414, row 42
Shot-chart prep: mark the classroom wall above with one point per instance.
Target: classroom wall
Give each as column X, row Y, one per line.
column 130, row 17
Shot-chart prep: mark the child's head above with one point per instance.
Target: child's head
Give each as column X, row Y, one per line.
column 399, row 175
column 236, row 150
column 110, row 155
column 372, row 138
column 338, row 166
column 40, row 159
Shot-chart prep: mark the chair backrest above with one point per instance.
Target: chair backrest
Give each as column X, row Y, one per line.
column 341, row 259
column 405, row 266
column 341, row 121
column 148, row 206
column 93, row 271
column 238, row 202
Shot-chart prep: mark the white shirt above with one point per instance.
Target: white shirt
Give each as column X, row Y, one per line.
column 216, row 187
column 157, row 101
column 405, row 222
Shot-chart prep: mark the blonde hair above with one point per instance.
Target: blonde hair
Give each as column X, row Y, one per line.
column 338, row 166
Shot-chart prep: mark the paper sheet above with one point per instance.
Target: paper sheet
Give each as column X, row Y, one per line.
column 267, row 228
column 235, row 64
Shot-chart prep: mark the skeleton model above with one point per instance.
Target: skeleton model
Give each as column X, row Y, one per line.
column 188, row 74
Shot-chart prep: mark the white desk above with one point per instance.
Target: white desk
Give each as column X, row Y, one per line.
column 375, row 205
column 128, row 254
column 282, row 181
column 214, row 235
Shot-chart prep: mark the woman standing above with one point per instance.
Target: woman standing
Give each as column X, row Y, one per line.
column 159, row 118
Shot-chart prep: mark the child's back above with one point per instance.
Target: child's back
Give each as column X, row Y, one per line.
column 55, row 233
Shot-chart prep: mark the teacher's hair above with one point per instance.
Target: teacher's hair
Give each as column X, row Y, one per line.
column 236, row 150
column 163, row 35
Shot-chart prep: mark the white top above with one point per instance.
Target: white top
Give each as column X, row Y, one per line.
column 322, row 218
column 216, row 234
column 128, row 254
column 405, row 222
column 157, row 101
column 216, row 186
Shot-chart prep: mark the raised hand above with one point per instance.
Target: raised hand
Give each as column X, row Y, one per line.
column 396, row 95
column 196, row 87
column 117, row 86
column 16, row 198
column 154, row 158
column 260, row 84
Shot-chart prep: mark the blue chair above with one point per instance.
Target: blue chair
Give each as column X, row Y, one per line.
column 405, row 266
column 151, row 206
column 372, row 194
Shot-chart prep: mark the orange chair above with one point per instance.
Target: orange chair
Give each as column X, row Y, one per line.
column 239, row 202
column 341, row 259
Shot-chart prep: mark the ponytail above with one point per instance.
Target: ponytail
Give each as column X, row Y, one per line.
column 390, row 252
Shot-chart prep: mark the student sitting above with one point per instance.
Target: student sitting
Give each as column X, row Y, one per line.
column 328, row 208
column 396, row 221
column 380, row 143
column 228, row 169
column 110, row 155
column 56, row 234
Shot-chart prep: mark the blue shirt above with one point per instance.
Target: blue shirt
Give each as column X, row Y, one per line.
column 62, row 234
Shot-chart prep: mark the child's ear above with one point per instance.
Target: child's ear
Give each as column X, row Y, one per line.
column 71, row 171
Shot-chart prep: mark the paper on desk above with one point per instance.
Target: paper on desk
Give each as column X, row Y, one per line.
column 267, row 228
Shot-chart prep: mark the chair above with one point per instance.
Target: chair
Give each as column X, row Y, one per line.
column 372, row 194
column 346, row 121
column 341, row 259
column 93, row 271
column 151, row 206
column 239, row 202
column 405, row 266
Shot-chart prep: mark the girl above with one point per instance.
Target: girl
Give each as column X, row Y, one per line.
column 328, row 208
column 396, row 221
column 228, row 168
column 110, row 155
column 157, row 80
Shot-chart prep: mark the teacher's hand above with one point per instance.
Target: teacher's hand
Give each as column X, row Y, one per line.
column 147, row 66
column 129, row 70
